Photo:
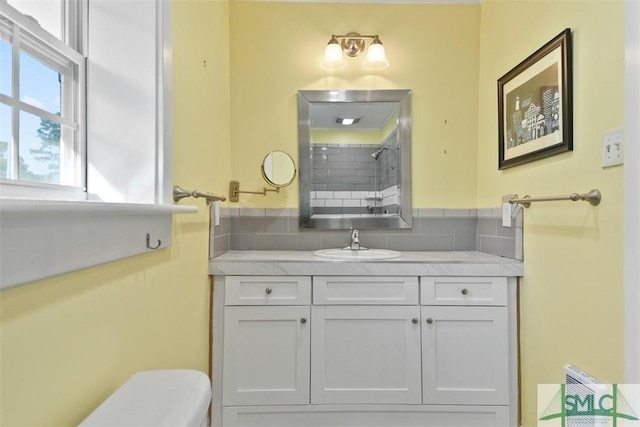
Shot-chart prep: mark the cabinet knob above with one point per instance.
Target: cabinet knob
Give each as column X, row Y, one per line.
column 465, row 291
column 268, row 291
column 429, row 320
column 414, row 320
column 303, row 320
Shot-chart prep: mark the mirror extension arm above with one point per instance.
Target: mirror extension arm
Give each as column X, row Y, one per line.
column 234, row 191
column 278, row 170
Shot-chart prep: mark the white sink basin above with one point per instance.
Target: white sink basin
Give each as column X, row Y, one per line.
column 358, row 255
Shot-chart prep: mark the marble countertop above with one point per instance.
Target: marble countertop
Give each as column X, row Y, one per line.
column 422, row 263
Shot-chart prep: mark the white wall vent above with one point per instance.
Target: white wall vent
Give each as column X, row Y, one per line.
column 581, row 384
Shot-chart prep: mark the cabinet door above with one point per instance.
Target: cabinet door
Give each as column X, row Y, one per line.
column 364, row 354
column 266, row 355
column 465, row 355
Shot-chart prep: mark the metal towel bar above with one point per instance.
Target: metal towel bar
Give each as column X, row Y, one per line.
column 181, row 193
column 593, row 197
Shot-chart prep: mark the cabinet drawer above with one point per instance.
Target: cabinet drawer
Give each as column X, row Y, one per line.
column 463, row 291
column 267, row 290
column 367, row 416
column 355, row 290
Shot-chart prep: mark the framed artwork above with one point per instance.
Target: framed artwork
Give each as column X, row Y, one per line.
column 535, row 112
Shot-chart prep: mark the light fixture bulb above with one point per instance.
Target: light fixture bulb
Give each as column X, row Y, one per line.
column 333, row 57
column 376, row 57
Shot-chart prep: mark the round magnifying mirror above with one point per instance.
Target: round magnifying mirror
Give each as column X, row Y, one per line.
column 278, row 169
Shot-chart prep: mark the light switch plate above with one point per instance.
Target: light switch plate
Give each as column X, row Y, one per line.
column 612, row 148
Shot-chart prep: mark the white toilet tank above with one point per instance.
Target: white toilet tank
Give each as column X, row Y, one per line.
column 173, row 397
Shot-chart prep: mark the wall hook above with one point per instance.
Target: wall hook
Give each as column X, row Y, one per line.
column 153, row 247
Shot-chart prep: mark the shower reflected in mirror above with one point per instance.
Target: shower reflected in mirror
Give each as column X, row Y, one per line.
column 357, row 170
column 376, row 154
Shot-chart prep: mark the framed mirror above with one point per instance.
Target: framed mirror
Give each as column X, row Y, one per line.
column 278, row 169
column 355, row 159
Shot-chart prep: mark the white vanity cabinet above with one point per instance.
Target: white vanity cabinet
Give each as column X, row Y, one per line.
column 364, row 351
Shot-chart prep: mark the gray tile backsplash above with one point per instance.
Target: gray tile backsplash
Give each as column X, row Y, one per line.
column 497, row 245
column 418, row 242
column 446, row 225
column 493, row 238
column 464, row 242
column 433, row 230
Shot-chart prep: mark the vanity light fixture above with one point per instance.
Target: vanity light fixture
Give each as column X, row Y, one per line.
column 352, row 44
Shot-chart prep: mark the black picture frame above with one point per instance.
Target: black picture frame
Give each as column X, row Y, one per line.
column 535, row 105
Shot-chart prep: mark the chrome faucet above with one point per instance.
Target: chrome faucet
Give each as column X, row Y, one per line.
column 355, row 241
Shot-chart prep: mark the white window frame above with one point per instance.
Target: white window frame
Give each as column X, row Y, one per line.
column 27, row 36
column 41, row 238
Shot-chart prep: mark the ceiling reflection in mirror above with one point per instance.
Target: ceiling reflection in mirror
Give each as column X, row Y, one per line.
column 355, row 159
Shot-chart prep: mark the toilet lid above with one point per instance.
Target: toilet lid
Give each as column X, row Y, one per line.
column 175, row 397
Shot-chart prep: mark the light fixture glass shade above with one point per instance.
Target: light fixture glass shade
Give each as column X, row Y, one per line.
column 376, row 57
column 333, row 58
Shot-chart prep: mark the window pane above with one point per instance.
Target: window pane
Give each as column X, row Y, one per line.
column 48, row 13
column 39, row 84
column 6, row 150
column 6, row 62
column 39, row 149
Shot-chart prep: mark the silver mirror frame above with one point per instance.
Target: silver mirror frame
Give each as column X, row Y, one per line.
column 307, row 97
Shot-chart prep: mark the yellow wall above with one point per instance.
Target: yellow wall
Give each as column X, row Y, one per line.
column 276, row 50
column 572, row 291
column 202, row 141
column 68, row 342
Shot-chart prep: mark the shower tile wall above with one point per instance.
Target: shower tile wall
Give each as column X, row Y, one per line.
column 346, row 178
column 343, row 168
column 351, row 203
column 388, row 167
